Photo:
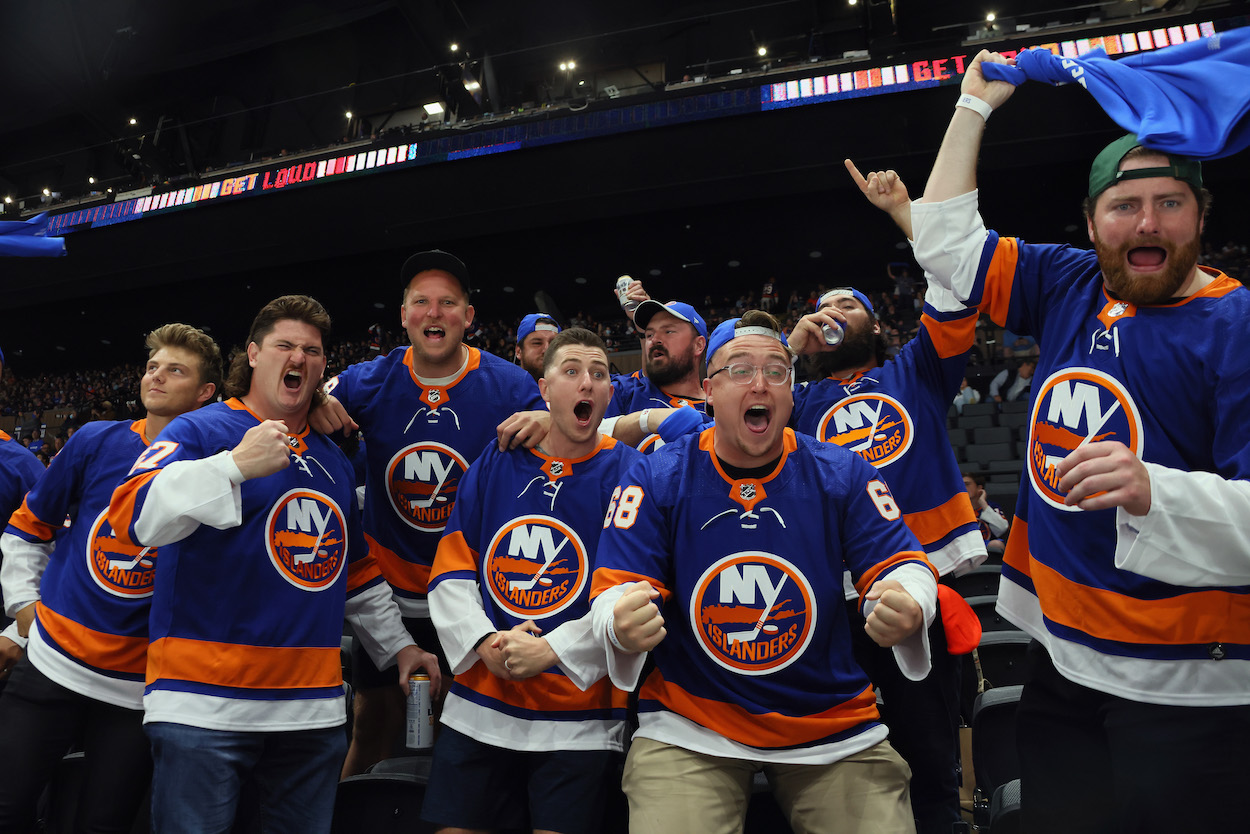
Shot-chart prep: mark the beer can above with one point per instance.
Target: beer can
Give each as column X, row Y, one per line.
column 833, row 333
column 622, row 290
column 420, row 713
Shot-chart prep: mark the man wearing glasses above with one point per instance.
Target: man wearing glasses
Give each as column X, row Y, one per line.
column 722, row 554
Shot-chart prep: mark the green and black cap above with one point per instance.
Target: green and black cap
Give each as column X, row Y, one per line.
column 1106, row 172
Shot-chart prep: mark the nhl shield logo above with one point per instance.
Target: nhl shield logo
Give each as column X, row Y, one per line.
column 746, row 491
column 126, row 571
column 434, row 396
column 535, row 566
column 753, row 613
column 1074, row 407
column 307, row 539
column 557, row 468
column 1117, row 309
column 876, row 427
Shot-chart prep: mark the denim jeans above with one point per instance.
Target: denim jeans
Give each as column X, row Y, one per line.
column 199, row 774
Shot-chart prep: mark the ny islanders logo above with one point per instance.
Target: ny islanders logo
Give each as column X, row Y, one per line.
column 306, row 536
column 421, row 482
column 536, row 566
column 1074, row 407
column 753, row 613
column 122, row 570
column 875, row 426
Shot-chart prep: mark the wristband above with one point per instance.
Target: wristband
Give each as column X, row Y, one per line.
column 643, row 421
column 612, row 637
column 975, row 104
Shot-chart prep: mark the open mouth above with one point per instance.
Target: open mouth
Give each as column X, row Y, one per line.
column 582, row 412
column 656, row 353
column 435, row 333
column 1147, row 257
column 293, row 380
column 757, row 419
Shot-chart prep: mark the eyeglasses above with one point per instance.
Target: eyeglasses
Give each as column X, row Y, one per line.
column 743, row 373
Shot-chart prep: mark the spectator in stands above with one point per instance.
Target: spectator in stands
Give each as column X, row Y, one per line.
column 428, row 411
column 990, row 517
column 532, row 338
column 244, row 684
column 967, row 395
column 712, row 562
column 524, row 735
column 1018, row 346
column 1138, row 698
column 1013, row 384
column 70, row 691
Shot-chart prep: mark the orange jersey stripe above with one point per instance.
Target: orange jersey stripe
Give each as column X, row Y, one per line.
column 402, row 574
column 1187, row 618
column 998, row 279
column 546, row 693
column 122, row 511
column 870, row 576
column 31, row 525
column 95, row 648
column 767, row 730
column 362, row 572
column 931, row 525
column 454, row 554
column 1016, row 553
column 605, row 578
column 245, row 667
column 953, row 337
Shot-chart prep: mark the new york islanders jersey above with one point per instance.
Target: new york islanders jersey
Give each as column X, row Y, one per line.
column 93, row 592
column 634, row 392
column 894, row 417
column 250, row 586
column 521, row 546
column 19, row 469
column 422, row 435
column 1168, row 381
column 757, row 660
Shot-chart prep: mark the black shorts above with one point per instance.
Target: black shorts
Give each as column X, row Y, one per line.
column 477, row 785
column 367, row 676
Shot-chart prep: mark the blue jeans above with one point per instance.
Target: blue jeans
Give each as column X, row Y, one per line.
column 199, row 774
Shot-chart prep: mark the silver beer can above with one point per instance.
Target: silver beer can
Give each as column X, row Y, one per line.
column 622, row 289
column 420, row 713
column 833, row 333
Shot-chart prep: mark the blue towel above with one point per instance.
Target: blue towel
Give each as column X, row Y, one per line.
column 28, row 239
column 1190, row 99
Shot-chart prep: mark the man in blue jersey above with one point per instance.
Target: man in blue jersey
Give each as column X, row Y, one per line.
column 427, row 411
column 892, row 413
column 722, row 556
column 532, row 338
column 19, row 469
column 262, row 557
column 71, row 690
column 524, row 734
column 1127, row 562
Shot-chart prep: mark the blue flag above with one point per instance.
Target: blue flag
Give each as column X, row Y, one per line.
column 1190, row 99
column 28, row 239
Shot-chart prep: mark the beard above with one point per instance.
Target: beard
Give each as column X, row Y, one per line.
column 858, row 348
column 677, row 368
column 1182, row 259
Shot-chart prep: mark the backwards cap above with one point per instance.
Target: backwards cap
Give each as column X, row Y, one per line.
column 435, row 259
column 725, row 333
column 851, row 291
column 1105, row 172
column 532, row 322
column 679, row 309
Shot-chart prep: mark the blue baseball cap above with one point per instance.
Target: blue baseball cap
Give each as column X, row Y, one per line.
column 679, row 309
column 531, row 323
column 851, row 291
column 725, row 332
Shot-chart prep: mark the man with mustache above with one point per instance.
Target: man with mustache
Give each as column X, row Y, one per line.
column 1130, row 558
column 892, row 412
